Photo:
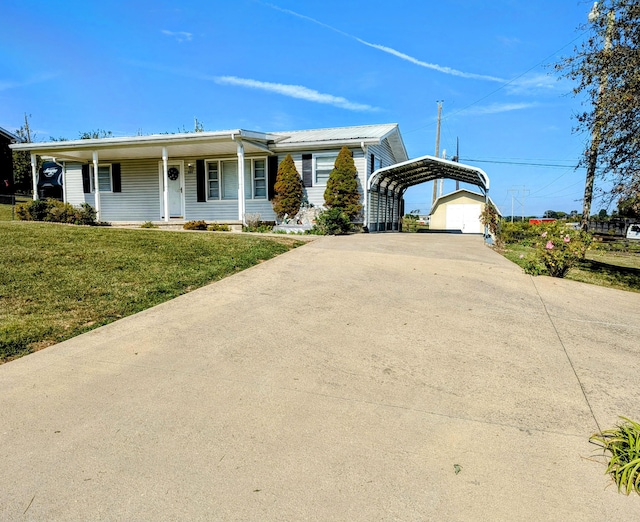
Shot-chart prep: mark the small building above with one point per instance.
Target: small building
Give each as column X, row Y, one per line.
column 459, row 211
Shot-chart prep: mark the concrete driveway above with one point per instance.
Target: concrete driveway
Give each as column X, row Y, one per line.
column 370, row 377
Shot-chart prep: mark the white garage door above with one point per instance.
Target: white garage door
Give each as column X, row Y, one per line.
column 465, row 218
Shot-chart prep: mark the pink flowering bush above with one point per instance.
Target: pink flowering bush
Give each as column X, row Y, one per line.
column 557, row 250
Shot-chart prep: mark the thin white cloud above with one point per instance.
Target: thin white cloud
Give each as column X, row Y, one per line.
column 180, row 36
column 532, row 83
column 295, row 91
column 5, row 85
column 393, row 52
column 496, row 108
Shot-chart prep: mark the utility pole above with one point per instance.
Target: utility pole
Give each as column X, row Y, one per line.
column 435, row 182
column 457, row 159
column 26, row 127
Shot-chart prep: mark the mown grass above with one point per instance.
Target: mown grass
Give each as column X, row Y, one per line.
column 6, row 210
column 58, row 281
column 619, row 270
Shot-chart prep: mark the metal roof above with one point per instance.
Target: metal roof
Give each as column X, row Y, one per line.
column 202, row 144
column 356, row 135
column 427, row 168
column 219, row 143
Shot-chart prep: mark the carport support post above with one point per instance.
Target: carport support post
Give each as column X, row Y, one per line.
column 96, row 185
column 34, row 175
column 165, row 178
column 486, row 225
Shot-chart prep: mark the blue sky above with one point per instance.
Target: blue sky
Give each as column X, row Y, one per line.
column 152, row 66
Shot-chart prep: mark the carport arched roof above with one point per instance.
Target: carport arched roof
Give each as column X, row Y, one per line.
column 427, row 168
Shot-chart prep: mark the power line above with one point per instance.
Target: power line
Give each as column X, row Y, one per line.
column 521, row 163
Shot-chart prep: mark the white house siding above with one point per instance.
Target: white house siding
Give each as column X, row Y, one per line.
column 74, row 191
column 220, row 210
column 140, row 196
column 315, row 193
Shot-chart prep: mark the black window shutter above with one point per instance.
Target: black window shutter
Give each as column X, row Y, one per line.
column 116, row 177
column 272, row 172
column 373, row 163
column 86, row 180
column 200, row 181
column 307, row 170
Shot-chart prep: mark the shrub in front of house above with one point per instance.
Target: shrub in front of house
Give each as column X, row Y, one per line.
column 342, row 186
column 195, row 225
column 56, row 211
column 288, row 189
column 217, row 227
column 332, row 222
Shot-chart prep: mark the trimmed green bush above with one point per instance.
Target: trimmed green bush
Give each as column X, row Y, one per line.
column 342, row 186
column 332, row 222
column 56, row 211
column 195, row 225
column 288, row 189
column 217, row 227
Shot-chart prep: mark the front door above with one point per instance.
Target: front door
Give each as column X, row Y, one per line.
column 174, row 172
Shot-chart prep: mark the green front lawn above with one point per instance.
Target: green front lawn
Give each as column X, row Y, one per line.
column 58, row 281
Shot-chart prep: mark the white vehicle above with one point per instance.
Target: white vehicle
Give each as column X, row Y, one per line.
column 633, row 232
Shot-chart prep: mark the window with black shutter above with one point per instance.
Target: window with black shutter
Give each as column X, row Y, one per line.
column 307, row 170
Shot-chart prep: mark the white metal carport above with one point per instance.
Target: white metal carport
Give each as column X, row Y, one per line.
column 386, row 187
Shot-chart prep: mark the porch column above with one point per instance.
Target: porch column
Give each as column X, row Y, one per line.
column 165, row 183
column 241, row 201
column 96, row 185
column 34, row 175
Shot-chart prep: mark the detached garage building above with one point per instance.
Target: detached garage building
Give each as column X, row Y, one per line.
column 459, row 210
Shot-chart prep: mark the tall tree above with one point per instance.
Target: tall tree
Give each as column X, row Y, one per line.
column 342, row 186
column 605, row 67
column 288, row 189
column 22, row 160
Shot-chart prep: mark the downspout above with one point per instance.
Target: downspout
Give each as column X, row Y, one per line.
column 365, row 188
column 34, row 175
column 96, row 186
column 241, row 196
column 165, row 178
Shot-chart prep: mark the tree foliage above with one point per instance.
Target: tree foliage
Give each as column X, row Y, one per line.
column 605, row 67
column 342, row 186
column 288, row 189
column 22, row 163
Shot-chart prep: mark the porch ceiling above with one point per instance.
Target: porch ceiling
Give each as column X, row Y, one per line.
column 194, row 145
column 428, row 168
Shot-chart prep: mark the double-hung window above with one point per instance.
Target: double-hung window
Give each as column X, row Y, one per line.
column 222, row 179
column 323, row 164
column 104, row 178
column 213, row 180
column 255, row 178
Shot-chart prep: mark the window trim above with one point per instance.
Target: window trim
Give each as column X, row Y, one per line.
column 92, row 178
column 251, row 188
column 315, row 181
column 265, row 178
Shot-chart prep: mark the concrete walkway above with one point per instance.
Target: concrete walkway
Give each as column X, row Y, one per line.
column 371, row 377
